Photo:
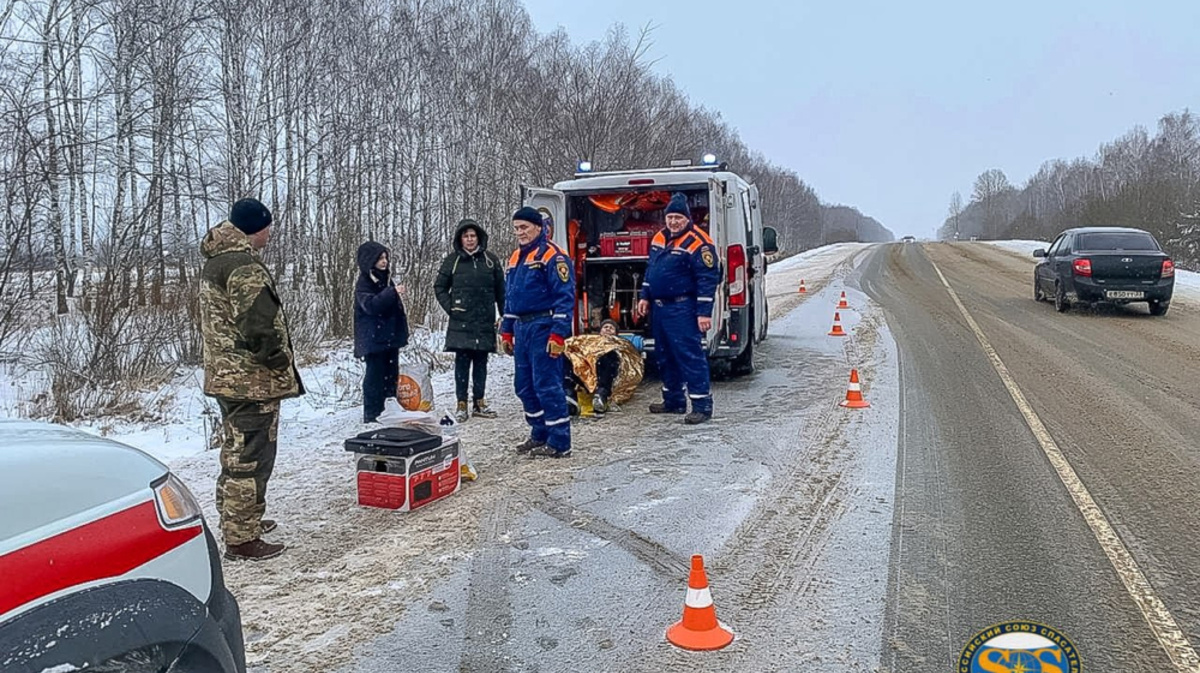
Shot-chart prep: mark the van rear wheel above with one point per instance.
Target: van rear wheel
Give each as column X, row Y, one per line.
column 744, row 363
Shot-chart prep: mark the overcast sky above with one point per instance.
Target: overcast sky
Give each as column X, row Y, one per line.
column 892, row 106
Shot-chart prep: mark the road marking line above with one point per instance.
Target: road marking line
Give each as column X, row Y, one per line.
column 1162, row 623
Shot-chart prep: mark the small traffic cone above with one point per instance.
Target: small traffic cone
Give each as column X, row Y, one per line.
column 802, row 290
column 837, row 326
column 843, row 303
column 699, row 629
column 854, row 397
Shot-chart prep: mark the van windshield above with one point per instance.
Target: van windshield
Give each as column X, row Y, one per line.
column 1124, row 240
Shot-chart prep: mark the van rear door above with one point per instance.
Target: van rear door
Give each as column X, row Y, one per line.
column 718, row 228
column 552, row 202
column 758, row 262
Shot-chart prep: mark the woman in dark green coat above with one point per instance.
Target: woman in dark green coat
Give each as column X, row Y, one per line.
column 470, row 288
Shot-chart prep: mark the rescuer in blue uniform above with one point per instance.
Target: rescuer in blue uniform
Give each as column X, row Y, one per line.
column 539, row 298
column 680, row 286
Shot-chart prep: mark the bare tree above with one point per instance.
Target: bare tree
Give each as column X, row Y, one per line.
column 956, row 208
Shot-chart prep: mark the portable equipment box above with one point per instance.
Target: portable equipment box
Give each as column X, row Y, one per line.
column 625, row 244
column 403, row 469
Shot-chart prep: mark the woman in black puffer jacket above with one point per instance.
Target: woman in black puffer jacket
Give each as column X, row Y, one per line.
column 380, row 327
column 470, row 288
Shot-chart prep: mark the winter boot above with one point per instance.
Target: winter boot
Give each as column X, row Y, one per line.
column 546, row 451
column 461, row 415
column 254, row 550
column 600, row 401
column 529, row 445
column 661, row 408
column 696, row 417
column 482, row 410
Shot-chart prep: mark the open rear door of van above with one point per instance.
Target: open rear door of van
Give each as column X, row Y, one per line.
column 552, row 202
column 758, row 282
column 718, row 228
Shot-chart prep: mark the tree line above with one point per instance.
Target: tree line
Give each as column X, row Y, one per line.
column 127, row 127
column 1140, row 180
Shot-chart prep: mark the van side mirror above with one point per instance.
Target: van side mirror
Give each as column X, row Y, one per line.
column 770, row 244
column 1040, row 252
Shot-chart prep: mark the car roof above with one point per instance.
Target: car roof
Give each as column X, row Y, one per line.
column 1105, row 230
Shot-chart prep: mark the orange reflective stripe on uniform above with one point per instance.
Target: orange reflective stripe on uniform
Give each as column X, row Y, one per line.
column 659, row 240
column 515, row 258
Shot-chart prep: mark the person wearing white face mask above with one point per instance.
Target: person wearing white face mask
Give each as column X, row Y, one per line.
column 470, row 288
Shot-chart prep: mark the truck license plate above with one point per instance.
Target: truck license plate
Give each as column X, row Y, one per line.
column 1124, row 294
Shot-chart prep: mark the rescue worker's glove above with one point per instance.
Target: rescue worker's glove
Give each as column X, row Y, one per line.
column 506, row 341
column 555, row 345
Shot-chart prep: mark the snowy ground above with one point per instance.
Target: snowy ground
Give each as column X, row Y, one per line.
column 1022, row 247
column 814, row 268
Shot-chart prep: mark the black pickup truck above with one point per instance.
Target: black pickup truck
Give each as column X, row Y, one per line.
column 1109, row 264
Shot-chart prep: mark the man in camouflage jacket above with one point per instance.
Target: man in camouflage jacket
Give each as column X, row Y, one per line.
column 248, row 367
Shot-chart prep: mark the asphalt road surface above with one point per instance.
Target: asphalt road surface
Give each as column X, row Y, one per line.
column 986, row 531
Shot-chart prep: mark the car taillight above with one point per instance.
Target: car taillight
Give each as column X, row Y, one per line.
column 736, row 276
column 1083, row 267
column 176, row 505
column 1168, row 269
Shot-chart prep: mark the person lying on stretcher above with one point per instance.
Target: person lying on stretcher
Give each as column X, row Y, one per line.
column 607, row 365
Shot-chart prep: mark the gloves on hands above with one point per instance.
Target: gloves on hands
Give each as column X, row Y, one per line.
column 507, row 343
column 555, row 345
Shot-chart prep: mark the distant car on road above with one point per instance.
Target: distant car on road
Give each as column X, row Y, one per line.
column 105, row 561
column 1104, row 264
column 909, row 239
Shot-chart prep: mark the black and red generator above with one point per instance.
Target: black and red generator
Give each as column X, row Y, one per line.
column 403, row 468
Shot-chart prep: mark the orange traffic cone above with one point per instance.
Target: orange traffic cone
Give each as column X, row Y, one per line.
column 842, row 303
column 699, row 629
column 802, row 290
column 837, row 326
column 854, row 397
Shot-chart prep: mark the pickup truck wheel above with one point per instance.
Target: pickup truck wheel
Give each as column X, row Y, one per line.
column 1159, row 307
column 1060, row 299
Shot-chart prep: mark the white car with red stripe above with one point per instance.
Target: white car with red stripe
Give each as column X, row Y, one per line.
column 105, row 561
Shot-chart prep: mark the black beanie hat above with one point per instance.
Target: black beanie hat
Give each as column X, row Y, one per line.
column 679, row 205
column 530, row 215
column 250, row 216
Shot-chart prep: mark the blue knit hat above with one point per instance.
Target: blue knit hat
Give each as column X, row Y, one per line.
column 679, row 205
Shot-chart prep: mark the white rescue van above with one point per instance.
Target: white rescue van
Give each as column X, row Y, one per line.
column 606, row 221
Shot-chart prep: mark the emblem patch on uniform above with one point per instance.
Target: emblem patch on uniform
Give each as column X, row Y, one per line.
column 707, row 256
column 564, row 271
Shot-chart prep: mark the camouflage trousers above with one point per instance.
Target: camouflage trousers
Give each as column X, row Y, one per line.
column 247, row 459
